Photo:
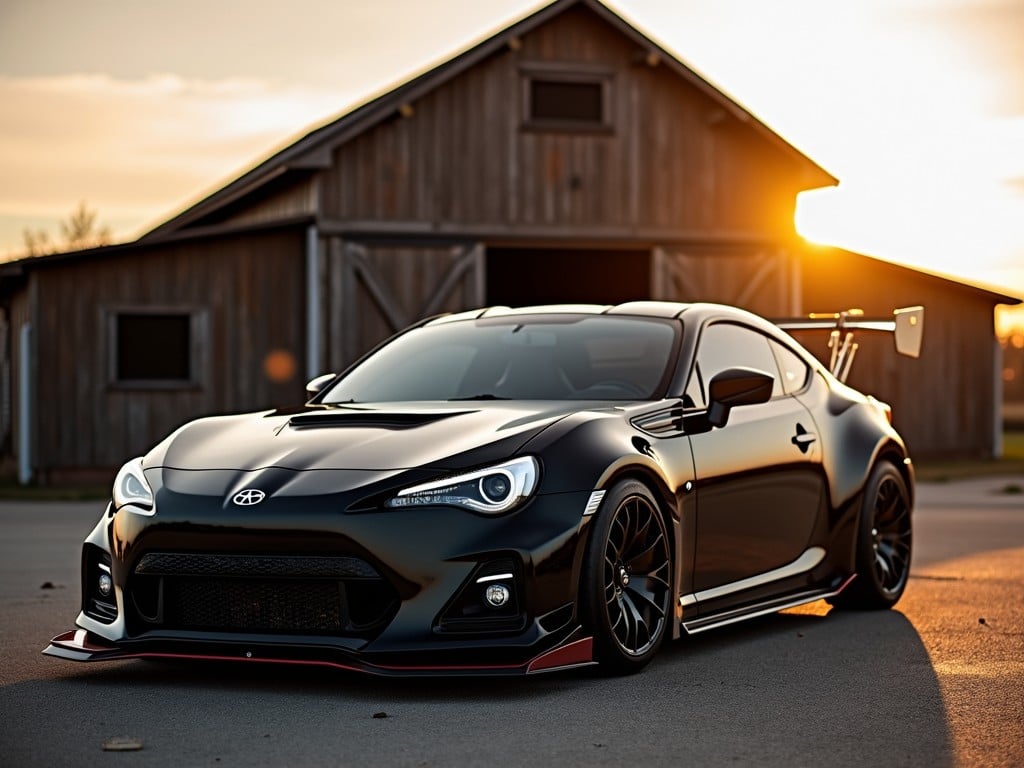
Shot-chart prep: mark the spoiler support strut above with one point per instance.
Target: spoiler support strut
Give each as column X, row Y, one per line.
column 906, row 325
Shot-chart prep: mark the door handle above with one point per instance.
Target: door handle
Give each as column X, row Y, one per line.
column 803, row 439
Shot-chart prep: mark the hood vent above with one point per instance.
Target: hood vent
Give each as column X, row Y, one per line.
column 366, row 419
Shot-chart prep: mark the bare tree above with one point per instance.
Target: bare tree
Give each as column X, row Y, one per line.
column 37, row 242
column 78, row 231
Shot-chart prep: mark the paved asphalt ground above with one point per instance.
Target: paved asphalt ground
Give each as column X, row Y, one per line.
column 937, row 682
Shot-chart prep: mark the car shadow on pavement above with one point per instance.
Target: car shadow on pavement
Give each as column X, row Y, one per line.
column 787, row 689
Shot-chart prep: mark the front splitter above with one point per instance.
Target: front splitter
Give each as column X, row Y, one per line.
column 80, row 645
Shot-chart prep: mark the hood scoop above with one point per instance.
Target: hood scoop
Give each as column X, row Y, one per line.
column 364, row 419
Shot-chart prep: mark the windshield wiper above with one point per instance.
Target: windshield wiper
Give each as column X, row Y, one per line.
column 483, row 396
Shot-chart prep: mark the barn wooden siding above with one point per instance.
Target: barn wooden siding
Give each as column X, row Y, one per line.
column 249, row 289
column 673, row 161
column 372, row 291
column 11, row 428
column 944, row 403
column 676, row 176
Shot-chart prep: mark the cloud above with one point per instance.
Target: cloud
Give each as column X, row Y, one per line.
column 134, row 146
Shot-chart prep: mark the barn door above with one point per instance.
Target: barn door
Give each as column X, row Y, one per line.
column 376, row 290
column 765, row 281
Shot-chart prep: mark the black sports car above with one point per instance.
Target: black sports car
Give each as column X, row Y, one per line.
column 509, row 491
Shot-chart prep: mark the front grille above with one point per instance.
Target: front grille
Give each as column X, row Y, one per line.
column 255, row 605
column 280, row 594
column 167, row 563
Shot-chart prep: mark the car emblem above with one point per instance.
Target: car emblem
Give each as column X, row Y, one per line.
column 248, row 497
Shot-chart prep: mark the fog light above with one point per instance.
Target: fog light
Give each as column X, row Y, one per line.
column 105, row 584
column 497, row 595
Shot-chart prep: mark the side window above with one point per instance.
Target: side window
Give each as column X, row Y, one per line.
column 723, row 346
column 793, row 369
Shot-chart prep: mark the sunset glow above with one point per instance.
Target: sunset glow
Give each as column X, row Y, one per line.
column 917, row 107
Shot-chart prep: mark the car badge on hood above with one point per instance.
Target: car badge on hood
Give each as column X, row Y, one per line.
column 248, row 497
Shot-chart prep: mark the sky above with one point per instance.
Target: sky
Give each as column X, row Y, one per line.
column 142, row 108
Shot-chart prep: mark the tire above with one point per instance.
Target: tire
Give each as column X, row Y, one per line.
column 884, row 539
column 625, row 594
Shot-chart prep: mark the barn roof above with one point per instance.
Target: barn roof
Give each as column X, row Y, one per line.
column 313, row 151
column 922, row 275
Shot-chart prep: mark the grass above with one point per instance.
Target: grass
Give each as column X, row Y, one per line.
column 944, row 471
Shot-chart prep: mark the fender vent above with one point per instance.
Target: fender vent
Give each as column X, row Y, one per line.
column 667, row 421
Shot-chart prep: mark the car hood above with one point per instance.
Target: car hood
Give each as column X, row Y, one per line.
column 387, row 437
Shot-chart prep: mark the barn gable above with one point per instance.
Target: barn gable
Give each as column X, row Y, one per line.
column 401, row 155
column 568, row 138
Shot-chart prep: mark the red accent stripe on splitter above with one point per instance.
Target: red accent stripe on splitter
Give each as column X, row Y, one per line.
column 571, row 655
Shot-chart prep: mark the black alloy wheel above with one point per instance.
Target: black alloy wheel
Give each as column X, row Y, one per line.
column 626, row 592
column 884, row 542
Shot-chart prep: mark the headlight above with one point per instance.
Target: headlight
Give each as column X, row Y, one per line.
column 130, row 487
column 492, row 490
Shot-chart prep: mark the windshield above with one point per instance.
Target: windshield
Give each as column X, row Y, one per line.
column 572, row 357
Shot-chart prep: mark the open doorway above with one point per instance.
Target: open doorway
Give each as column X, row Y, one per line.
column 525, row 276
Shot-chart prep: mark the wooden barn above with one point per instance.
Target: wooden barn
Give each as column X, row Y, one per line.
column 566, row 158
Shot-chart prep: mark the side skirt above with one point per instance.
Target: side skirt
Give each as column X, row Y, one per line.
column 761, row 608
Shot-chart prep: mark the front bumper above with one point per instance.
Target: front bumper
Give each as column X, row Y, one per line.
column 429, row 558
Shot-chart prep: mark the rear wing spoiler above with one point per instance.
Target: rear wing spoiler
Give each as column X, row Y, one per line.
column 906, row 325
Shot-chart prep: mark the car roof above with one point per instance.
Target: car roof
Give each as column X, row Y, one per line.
column 652, row 309
column 695, row 312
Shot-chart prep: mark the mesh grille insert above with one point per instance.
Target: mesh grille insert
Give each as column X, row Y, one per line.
column 279, row 594
column 167, row 563
column 295, row 605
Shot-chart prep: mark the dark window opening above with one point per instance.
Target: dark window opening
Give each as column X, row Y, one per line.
column 526, row 276
column 153, row 347
column 567, row 101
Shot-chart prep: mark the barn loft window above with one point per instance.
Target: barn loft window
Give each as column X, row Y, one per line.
column 154, row 348
column 567, row 100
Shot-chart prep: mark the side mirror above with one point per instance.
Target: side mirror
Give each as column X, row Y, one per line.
column 314, row 386
column 733, row 387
